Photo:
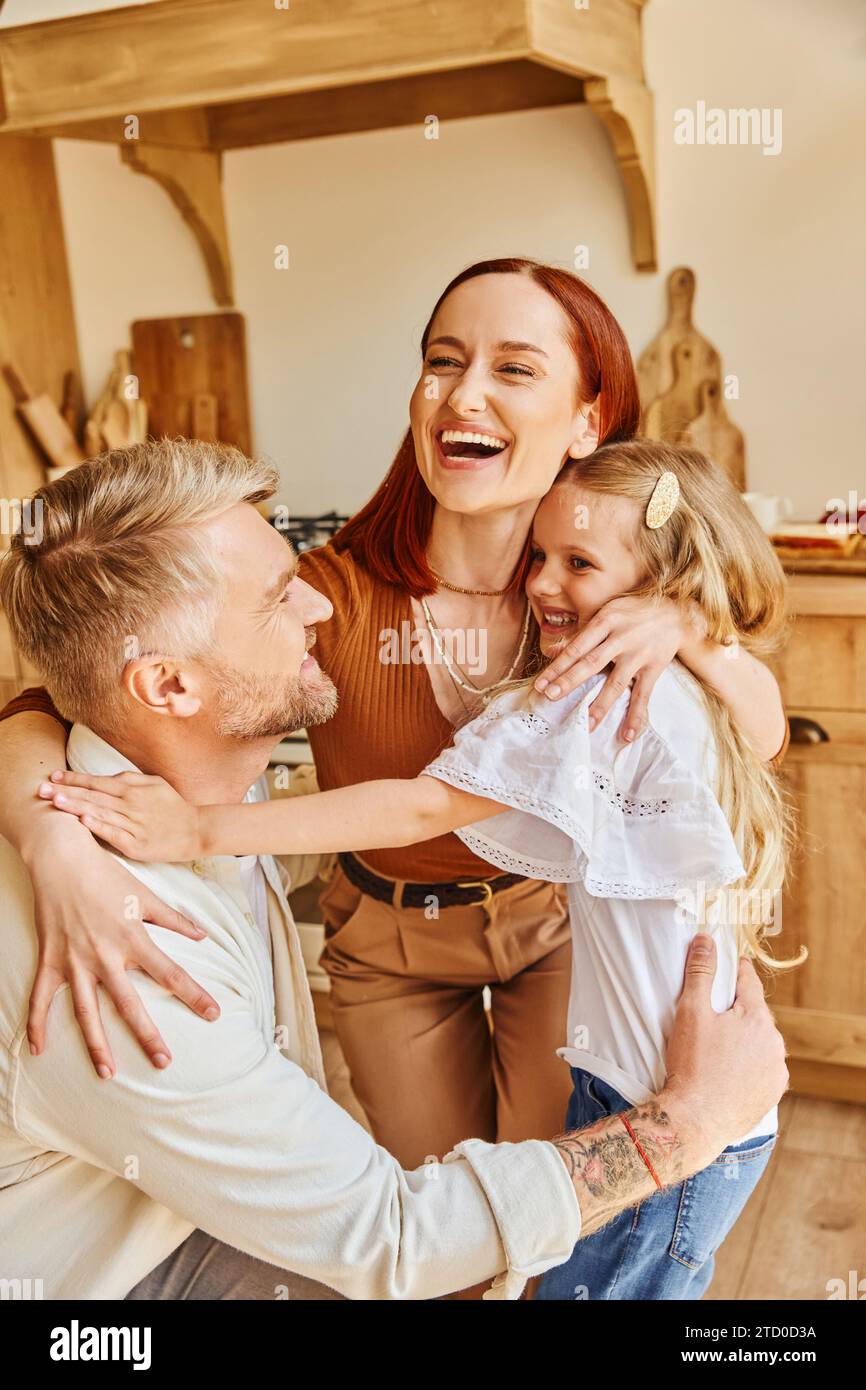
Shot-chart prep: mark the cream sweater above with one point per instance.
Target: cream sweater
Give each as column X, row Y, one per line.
column 101, row 1180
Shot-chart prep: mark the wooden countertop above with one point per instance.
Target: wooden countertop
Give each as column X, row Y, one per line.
column 813, row 595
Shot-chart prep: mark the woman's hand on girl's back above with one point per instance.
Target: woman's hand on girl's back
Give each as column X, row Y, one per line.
column 89, row 916
column 637, row 637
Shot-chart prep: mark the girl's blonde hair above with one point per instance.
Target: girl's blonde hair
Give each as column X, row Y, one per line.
column 712, row 552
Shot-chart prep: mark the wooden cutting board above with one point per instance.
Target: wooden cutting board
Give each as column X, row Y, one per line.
column 793, row 563
column 655, row 366
column 181, row 360
column 716, row 435
column 669, row 415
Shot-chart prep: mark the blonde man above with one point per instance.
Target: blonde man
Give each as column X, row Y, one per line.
column 171, row 627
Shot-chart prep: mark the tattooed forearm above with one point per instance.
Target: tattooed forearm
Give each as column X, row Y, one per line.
column 606, row 1168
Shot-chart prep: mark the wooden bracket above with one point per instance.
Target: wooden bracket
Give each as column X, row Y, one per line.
column 625, row 108
column 307, row 75
column 193, row 181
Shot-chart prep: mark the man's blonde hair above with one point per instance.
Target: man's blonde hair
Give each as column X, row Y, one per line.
column 119, row 569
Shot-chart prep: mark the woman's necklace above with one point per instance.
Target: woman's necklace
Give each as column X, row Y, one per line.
column 484, row 691
column 477, row 593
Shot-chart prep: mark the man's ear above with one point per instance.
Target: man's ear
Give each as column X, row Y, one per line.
column 585, row 441
column 161, row 686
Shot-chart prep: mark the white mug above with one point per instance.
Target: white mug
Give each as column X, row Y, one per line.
column 768, row 510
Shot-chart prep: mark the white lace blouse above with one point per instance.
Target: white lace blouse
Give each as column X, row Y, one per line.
column 636, row 833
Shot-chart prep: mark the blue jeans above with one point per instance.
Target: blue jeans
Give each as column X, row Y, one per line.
column 663, row 1248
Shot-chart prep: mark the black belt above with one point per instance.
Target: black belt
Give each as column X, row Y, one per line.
column 461, row 894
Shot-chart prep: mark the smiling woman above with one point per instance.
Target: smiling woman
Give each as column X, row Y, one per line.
column 577, row 360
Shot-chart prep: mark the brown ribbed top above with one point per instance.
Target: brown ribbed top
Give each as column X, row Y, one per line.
column 387, row 722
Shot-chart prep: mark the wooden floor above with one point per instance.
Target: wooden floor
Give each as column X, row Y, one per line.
column 804, row 1225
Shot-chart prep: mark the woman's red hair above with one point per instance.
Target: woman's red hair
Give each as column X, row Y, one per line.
column 389, row 535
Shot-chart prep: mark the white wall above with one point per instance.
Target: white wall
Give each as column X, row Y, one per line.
column 376, row 223
column 130, row 254
column 777, row 242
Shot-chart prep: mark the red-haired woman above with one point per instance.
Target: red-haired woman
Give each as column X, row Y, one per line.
column 523, row 367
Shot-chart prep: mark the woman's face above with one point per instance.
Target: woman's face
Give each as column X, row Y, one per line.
column 498, row 365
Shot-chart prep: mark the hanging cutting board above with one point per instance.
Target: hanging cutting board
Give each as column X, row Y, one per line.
column 668, row 417
column 205, row 414
column 717, row 436
column 179, row 361
column 655, row 366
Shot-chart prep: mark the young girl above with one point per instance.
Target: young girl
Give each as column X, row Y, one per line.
column 679, row 830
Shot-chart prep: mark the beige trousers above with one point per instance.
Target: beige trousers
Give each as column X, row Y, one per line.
column 406, row 990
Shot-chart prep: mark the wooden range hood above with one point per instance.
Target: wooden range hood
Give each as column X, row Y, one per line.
column 203, row 76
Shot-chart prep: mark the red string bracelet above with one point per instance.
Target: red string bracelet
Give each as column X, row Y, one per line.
column 641, row 1151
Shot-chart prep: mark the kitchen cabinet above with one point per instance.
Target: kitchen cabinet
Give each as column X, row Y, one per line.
column 821, row 1005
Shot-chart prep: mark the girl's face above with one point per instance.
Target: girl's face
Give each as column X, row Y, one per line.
column 497, row 408
column 582, row 555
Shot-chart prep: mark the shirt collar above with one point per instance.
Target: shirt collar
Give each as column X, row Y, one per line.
column 87, row 752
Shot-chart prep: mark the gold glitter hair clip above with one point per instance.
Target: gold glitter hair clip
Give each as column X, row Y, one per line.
column 666, row 495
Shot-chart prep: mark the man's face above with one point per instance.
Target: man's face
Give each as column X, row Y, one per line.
column 264, row 678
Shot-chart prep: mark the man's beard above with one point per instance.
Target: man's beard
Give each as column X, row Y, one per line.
column 251, row 707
